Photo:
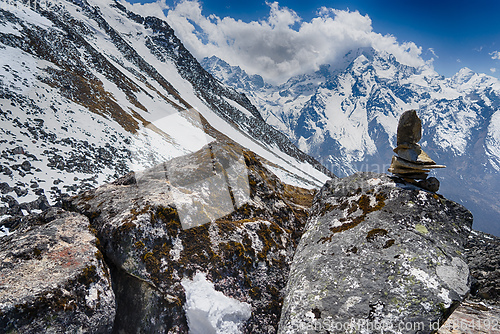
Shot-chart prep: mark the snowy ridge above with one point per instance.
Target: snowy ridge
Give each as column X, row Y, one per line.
column 90, row 91
column 346, row 115
column 492, row 141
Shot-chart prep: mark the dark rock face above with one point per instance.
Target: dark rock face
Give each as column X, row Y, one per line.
column 53, row 277
column 377, row 253
column 480, row 313
column 245, row 254
column 482, row 252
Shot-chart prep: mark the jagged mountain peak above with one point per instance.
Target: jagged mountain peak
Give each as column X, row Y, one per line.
column 463, row 75
column 238, row 78
column 347, row 118
column 468, row 81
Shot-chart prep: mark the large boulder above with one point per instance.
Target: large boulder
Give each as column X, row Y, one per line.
column 377, row 255
column 214, row 223
column 53, row 278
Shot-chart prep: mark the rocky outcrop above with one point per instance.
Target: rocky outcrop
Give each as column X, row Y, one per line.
column 377, row 254
column 157, row 251
column 144, row 257
column 53, row 277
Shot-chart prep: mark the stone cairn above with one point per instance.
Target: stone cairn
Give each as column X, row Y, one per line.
column 411, row 163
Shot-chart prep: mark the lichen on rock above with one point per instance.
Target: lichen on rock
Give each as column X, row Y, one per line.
column 53, row 277
column 151, row 251
column 377, row 253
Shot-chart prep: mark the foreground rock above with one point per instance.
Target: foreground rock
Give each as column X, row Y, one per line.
column 377, row 255
column 480, row 313
column 473, row 318
column 217, row 226
column 483, row 256
column 53, row 278
column 213, row 225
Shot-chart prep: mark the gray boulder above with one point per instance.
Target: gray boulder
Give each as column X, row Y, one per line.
column 377, row 256
column 215, row 220
column 53, row 278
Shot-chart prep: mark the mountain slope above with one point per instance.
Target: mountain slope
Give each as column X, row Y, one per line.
column 346, row 117
column 90, row 90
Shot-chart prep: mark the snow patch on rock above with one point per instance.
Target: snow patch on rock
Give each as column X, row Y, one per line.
column 210, row 311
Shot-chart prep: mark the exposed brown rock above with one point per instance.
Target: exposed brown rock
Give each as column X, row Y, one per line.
column 53, row 276
column 472, row 318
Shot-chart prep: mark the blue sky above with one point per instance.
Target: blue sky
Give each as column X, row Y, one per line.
column 454, row 34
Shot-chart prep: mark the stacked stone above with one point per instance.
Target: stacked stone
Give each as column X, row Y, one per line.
column 411, row 162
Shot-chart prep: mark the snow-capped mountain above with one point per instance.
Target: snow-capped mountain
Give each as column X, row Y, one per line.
column 90, row 90
column 346, row 117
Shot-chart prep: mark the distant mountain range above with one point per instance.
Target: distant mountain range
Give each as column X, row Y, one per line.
column 90, row 91
column 346, row 117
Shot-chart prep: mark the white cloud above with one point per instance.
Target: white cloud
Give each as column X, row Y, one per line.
column 283, row 45
column 493, row 70
column 431, row 50
column 495, row 55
